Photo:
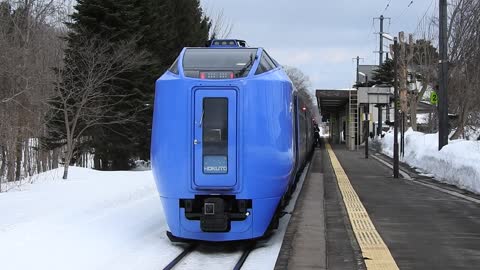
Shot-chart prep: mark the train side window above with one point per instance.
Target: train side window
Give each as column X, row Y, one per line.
column 270, row 59
column 266, row 64
column 174, row 67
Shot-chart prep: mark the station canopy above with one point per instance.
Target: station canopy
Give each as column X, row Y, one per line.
column 331, row 100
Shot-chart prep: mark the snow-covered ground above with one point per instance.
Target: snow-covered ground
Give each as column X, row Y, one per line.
column 94, row 220
column 98, row 220
column 458, row 163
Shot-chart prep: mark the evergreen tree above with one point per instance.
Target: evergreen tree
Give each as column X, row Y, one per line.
column 167, row 27
column 160, row 27
column 113, row 21
column 384, row 74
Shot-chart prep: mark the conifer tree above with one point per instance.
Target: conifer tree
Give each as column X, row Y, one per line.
column 384, row 73
column 160, row 27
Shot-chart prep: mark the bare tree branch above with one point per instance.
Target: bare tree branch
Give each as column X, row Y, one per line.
column 85, row 97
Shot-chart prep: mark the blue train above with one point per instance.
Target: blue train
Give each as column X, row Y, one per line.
column 230, row 135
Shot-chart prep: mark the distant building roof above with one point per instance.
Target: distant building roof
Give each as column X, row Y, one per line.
column 367, row 70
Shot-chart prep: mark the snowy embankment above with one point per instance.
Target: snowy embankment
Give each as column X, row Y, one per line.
column 103, row 220
column 458, row 163
column 94, row 220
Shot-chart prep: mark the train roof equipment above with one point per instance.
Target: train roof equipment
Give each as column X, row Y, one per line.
column 226, row 43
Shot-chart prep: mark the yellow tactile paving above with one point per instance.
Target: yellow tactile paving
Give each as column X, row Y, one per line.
column 376, row 253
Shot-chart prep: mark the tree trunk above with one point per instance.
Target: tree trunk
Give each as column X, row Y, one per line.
column 55, row 155
column 68, row 159
column 413, row 113
column 4, row 165
column 44, row 160
column 458, row 132
column 96, row 162
column 4, row 162
column 27, row 165
column 18, row 169
column 460, row 126
column 65, row 170
column 38, row 160
column 10, row 164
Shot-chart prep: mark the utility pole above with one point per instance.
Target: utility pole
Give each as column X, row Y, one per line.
column 379, row 128
column 380, row 62
column 381, row 41
column 381, row 51
column 442, row 76
column 397, row 118
column 358, row 63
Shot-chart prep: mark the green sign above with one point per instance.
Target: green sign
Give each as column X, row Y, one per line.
column 433, row 98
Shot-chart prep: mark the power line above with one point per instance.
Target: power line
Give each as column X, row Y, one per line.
column 403, row 12
column 424, row 15
column 397, row 18
column 388, row 5
column 371, row 35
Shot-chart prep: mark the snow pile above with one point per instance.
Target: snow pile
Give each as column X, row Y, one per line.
column 93, row 220
column 101, row 220
column 458, row 163
column 142, row 165
column 423, row 118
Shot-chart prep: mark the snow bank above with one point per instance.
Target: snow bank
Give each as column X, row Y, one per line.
column 93, row 220
column 101, row 220
column 458, row 163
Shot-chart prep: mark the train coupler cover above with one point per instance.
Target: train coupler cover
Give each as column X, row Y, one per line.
column 216, row 213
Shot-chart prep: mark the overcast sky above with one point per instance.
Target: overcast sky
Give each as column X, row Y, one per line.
column 320, row 37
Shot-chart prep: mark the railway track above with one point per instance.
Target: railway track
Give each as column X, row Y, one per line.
column 180, row 256
column 203, row 252
column 233, row 255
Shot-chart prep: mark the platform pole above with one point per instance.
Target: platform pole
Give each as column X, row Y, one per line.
column 367, row 129
column 380, row 120
column 443, row 76
column 397, row 118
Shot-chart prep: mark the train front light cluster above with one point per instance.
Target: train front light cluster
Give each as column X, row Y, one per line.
column 216, row 75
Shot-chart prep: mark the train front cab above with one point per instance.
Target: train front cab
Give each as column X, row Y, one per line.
column 234, row 160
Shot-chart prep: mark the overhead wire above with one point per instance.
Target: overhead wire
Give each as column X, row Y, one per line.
column 388, row 5
column 397, row 20
column 405, row 10
column 400, row 15
column 372, row 39
column 422, row 19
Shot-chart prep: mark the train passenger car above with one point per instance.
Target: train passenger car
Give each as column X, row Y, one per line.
column 229, row 136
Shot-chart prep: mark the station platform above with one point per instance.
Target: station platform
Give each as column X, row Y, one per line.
column 352, row 214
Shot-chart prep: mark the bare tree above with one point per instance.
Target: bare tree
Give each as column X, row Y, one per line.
column 28, row 38
column 303, row 85
column 84, row 96
column 423, row 62
column 221, row 27
column 464, row 58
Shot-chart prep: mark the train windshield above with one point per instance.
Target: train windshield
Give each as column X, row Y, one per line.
column 218, row 63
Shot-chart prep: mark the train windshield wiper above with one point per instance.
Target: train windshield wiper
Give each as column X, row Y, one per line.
column 247, row 66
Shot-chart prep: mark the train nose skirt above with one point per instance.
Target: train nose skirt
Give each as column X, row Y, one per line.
column 216, row 212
